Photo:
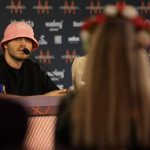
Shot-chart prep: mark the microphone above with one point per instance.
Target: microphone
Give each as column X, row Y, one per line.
column 27, row 52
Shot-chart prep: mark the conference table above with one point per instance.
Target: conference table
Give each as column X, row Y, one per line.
column 42, row 118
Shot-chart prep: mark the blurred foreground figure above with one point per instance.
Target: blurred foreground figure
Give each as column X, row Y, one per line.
column 13, row 125
column 112, row 112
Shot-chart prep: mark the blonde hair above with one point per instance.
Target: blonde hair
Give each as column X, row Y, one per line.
column 114, row 105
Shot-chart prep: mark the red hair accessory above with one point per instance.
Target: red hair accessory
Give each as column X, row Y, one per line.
column 126, row 11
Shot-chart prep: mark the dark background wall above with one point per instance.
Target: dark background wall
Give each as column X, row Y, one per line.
column 57, row 24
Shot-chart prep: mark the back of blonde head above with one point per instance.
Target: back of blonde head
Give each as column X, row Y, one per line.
column 113, row 109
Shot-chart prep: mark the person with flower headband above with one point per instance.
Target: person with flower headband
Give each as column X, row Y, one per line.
column 112, row 112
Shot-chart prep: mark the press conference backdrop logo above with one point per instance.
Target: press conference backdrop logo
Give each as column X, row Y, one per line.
column 69, row 7
column 16, row 7
column 43, row 7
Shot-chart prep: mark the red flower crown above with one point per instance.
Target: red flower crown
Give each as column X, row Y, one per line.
column 126, row 11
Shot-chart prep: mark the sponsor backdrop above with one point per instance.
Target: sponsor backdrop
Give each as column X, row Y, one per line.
column 57, row 24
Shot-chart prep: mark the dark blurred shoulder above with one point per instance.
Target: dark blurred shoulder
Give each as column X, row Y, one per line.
column 67, row 101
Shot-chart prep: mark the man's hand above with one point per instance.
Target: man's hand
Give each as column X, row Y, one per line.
column 61, row 92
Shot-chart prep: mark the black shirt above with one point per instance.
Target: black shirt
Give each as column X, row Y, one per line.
column 28, row 80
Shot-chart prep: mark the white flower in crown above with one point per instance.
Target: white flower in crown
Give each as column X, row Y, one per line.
column 111, row 10
column 129, row 12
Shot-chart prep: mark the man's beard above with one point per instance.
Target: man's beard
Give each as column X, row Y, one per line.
column 17, row 59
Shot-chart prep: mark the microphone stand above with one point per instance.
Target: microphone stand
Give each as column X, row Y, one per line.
column 27, row 52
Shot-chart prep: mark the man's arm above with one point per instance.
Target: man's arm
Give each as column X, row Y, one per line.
column 61, row 92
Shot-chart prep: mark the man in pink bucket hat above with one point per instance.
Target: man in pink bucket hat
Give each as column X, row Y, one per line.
column 18, row 74
column 19, row 30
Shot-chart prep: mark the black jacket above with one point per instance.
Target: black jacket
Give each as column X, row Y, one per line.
column 28, row 80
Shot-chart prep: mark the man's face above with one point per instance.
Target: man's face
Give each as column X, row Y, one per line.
column 14, row 48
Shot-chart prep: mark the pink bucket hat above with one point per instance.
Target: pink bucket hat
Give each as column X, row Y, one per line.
column 19, row 29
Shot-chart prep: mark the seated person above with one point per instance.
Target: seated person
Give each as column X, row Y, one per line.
column 18, row 74
column 78, row 66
